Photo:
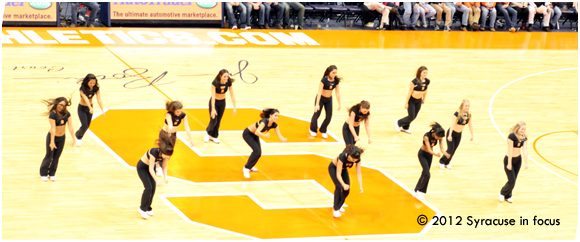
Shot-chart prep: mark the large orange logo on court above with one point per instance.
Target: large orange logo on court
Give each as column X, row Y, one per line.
column 385, row 207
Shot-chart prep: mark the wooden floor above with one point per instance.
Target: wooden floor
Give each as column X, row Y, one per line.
column 532, row 77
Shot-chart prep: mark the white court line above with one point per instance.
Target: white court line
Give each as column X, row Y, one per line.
column 328, row 193
column 499, row 131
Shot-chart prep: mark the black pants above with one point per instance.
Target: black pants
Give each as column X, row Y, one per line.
column 451, row 147
column 173, row 136
column 339, row 193
column 214, row 123
column 425, row 160
column 412, row 110
column 85, row 116
column 347, row 135
column 253, row 141
column 325, row 102
column 523, row 14
column 50, row 161
column 512, row 175
column 148, row 183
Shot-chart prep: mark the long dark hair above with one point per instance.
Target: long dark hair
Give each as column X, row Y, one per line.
column 218, row 77
column 327, row 72
column 51, row 104
column 267, row 112
column 89, row 77
column 171, row 106
column 437, row 129
column 363, row 104
column 418, row 75
column 165, row 144
column 354, row 151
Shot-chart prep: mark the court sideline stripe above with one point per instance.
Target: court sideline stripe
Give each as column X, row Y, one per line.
column 545, row 158
column 499, row 131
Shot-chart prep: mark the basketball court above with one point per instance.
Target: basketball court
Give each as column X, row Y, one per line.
column 531, row 77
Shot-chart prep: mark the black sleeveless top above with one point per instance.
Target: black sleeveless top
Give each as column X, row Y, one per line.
column 460, row 119
column 328, row 85
column 266, row 128
column 155, row 153
column 176, row 119
column 221, row 88
column 89, row 93
column 58, row 120
column 517, row 143
column 423, row 86
column 432, row 140
column 358, row 115
column 345, row 163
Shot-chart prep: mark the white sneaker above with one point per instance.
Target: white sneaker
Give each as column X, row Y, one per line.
column 79, row 142
column 44, row 179
column 342, row 210
column 254, row 169
column 420, row 195
column 143, row 214
column 311, row 133
column 53, row 178
column 441, row 166
column 324, row 135
column 206, row 138
column 336, row 213
column 448, row 166
column 248, row 27
column 215, row 140
column 406, row 131
column 501, row 198
column 510, row 200
column 246, row 172
column 150, row 213
column 397, row 128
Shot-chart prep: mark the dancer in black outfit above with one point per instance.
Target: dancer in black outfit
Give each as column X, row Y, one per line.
column 58, row 117
column 260, row 129
column 89, row 89
column 339, row 175
column 513, row 159
column 173, row 118
column 461, row 118
column 415, row 97
column 217, row 104
column 426, row 156
column 356, row 114
column 330, row 81
column 154, row 156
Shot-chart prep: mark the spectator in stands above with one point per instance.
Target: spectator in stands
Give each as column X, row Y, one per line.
column 441, row 8
column 251, row 6
column 510, row 15
column 264, row 18
column 297, row 7
column 279, row 9
column 523, row 14
column 395, row 16
column 488, row 8
column 555, row 15
column 230, row 7
column 411, row 8
column 451, row 6
column 474, row 14
column 382, row 9
column 91, row 6
column 541, row 9
column 465, row 14
column 426, row 12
